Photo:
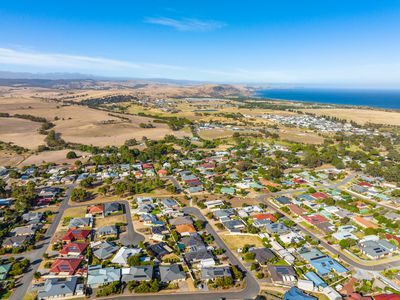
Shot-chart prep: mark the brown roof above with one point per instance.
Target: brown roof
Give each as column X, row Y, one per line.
column 364, row 223
column 297, row 209
column 185, row 228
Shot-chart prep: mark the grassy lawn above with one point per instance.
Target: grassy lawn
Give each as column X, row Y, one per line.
column 238, row 241
column 99, row 222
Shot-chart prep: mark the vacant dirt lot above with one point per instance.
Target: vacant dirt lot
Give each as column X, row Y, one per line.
column 78, row 124
column 361, row 116
column 21, row 132
column 111, row 220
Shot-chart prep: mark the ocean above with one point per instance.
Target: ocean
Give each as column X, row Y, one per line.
column 387, row 99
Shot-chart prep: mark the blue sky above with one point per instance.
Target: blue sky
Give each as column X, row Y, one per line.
column 328, row 43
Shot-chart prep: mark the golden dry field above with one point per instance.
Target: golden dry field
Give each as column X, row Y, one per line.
column 21, row 132
column 57, row 156
column 300, row 136
column 78, row 124
column 361, row 116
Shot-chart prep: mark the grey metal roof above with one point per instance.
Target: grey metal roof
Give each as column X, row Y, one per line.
column 137, row 273
column 56, row 287
column 215, row 272
column 171, row 273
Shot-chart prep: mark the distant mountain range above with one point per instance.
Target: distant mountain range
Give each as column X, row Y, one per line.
column 79, row 76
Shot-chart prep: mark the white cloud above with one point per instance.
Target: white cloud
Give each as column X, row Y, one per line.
column 187, row 24
column 69, row 62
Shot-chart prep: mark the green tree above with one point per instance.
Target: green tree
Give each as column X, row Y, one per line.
column 71, row 155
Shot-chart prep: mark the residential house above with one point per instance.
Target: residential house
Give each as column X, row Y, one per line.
column 137, row 273
column 185, row 220
column 198, row 255
column 285, row 275
column 81, row 222
column 277, row 228
column 377, row 249
column 343, row 235
column 66, row 266
column 32, row 218
column 171, row 273
column 104, row 250
column 16, row 241
column 76, row 235
column 4, row 269
column 61, row 288
column 213, row 273
column 73, row 249
column 283, row 200
column 159, row 250
column 291, row 237
column 262, row 255
column 99, row 276
column 123, row 254
column 27, row 230
column 264, row 216
column 297, row 209
column 193, row 242
column 213, row 203
column 96, row 210
column 107, row 231
column 321, row 262
column 185, row 229
column 234, row 225
column 364, row 222
column 296, row 294
column 112, row 208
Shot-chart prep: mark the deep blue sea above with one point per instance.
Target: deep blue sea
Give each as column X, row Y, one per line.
column 389, row 99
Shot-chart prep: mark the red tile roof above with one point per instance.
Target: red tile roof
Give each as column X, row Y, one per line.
column 387, row 297
column 208, row 165
column 162, row 172
column 365, row 184
column 76, row 234
column 183, row 228
column 74, row 248
column 356, row 296
column 389, row 236
column 96, row 209
column 364, row 222
column 65, row 265
column 264, row 217
column 315, row 219
column 296, row 209
column 320, row 195
column 299, row 180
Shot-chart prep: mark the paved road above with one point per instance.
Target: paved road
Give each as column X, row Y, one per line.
column 252, row 287
column 36, row 256
column 131, row 237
